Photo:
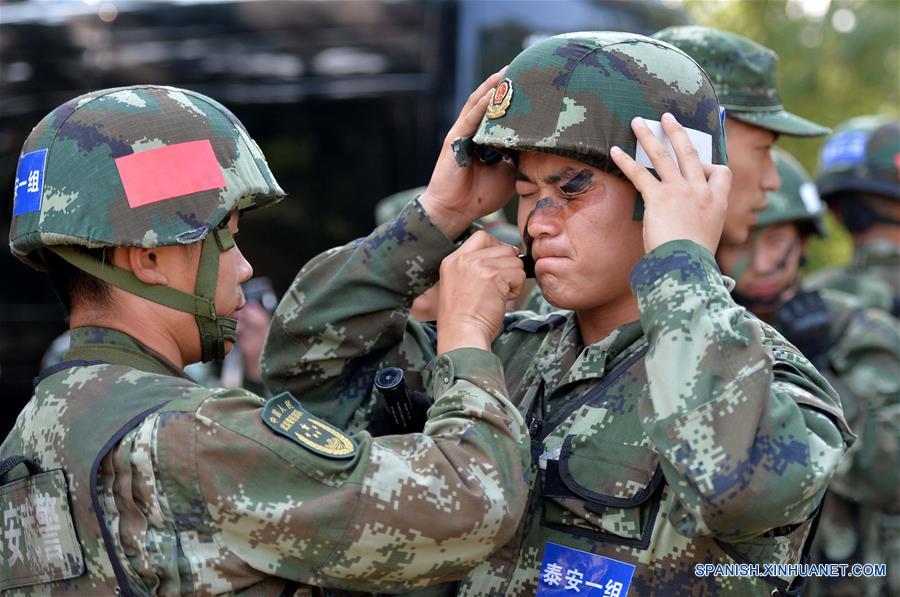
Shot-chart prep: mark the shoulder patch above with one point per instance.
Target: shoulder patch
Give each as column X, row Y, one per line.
column 283, row 414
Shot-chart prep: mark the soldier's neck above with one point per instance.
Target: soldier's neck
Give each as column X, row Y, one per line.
column 142, row 324
column 597, row 323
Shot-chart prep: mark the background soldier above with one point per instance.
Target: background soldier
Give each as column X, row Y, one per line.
column 859, row 178
column 176, row 488
column 858, row 351
column 743, row 74
column 669, row 427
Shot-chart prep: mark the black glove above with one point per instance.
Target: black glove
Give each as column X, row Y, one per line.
column 806, row 323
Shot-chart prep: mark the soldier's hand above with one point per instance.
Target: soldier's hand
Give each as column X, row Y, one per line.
column 690, row 199
column 458, row 195
column 476, row 281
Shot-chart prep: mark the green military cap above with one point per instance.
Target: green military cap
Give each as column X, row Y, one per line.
column 797, row 200
column 863, row 155
column 743, row 74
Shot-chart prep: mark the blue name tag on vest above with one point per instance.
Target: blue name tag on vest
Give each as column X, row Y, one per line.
column 566, row 572
column 29, row 182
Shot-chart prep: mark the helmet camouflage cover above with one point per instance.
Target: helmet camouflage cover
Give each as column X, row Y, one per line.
column 142, row 166
column 575, row 95
column 862, row 155
column 797, row 200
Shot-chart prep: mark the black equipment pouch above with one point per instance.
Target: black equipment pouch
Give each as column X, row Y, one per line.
column 39, row 543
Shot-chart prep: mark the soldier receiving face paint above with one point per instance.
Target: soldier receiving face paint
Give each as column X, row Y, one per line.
column 124, row 476
column 669, row 427
column 858, row 351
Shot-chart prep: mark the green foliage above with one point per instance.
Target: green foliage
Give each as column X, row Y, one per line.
column 824, row 74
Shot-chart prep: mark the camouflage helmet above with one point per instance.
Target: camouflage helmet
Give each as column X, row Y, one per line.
column 743, row 73
column 797, row 200
column 142, row 166
column 575, row 95
column 863, row 155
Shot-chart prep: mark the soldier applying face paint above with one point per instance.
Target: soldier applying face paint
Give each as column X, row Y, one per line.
column 122, row 475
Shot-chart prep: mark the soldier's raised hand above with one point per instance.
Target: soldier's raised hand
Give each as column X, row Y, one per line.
column 690, row 199
column 457, row 195
column 476, row 281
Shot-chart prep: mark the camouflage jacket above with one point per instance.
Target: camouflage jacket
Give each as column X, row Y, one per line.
column 873, row 276
column 695, row 435
column 861, row 518
column 212, row 491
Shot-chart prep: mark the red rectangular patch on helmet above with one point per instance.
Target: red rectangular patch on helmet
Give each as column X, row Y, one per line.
column 169, row 172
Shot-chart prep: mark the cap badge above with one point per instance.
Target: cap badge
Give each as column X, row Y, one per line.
column 500, row 102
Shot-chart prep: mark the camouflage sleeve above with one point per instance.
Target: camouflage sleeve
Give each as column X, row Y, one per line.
column 866, row 360
column 748, row 431
column 400, row 512
column 347, row 313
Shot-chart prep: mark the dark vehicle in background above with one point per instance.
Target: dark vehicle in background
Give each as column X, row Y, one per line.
column 349, row 101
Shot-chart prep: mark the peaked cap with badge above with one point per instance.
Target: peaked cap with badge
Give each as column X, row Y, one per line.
column 743, row 73
column 142, row 166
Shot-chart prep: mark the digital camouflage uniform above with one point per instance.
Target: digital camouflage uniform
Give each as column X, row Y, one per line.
column 863, row 156
column 696, row 434
column 123, row 475
column 861, row 518
column 858, row 350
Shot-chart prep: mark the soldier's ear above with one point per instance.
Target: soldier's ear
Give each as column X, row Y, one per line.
column 148, row 265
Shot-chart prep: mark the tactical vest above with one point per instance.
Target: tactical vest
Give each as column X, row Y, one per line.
column 84, row 432
column 598, row 486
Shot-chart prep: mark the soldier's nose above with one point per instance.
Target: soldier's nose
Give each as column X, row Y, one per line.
column 544, row 219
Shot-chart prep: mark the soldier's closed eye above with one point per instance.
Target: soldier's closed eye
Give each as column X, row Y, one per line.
column 524, row 186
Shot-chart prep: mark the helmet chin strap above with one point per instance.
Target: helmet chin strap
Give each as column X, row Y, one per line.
column 214, row 330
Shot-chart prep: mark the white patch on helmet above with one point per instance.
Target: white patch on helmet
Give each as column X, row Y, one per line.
column 701, row 141
column 810, row 196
